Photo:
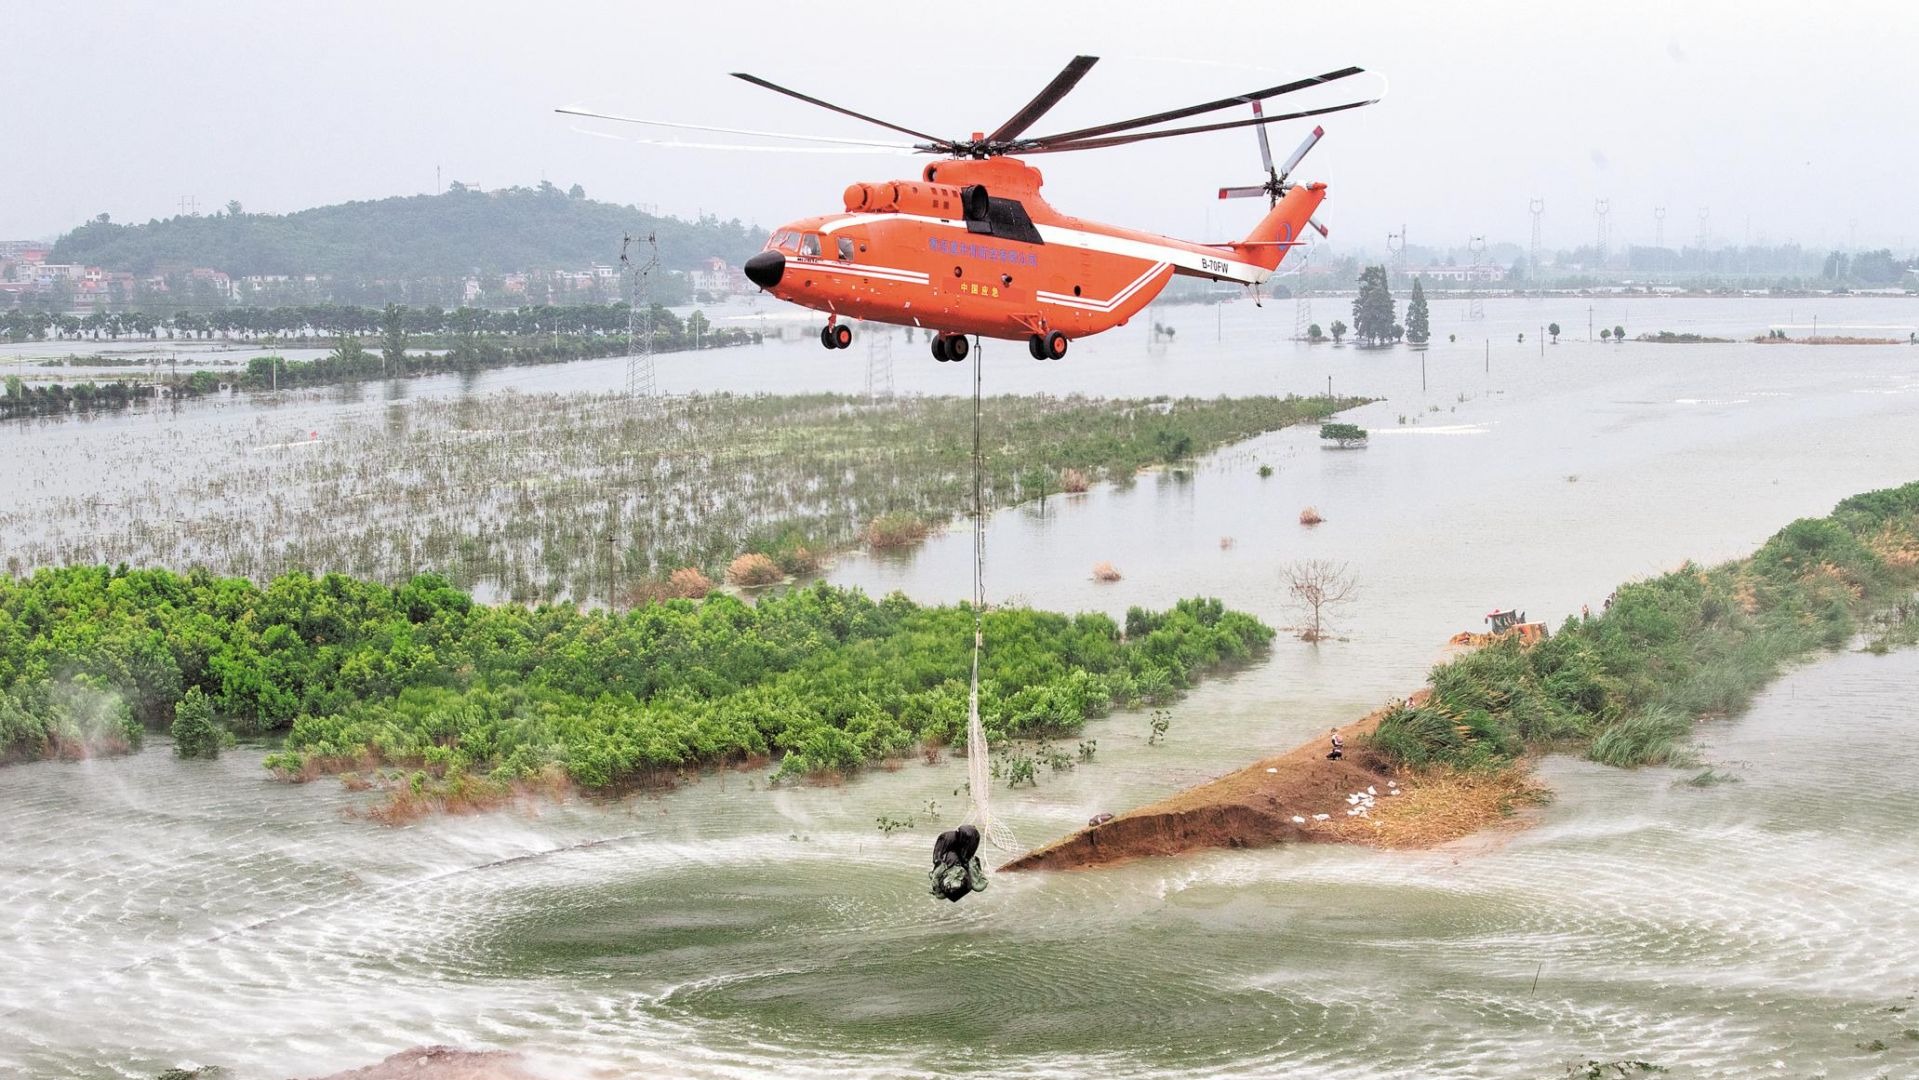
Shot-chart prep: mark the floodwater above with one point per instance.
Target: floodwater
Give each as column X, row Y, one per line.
column 165, row 913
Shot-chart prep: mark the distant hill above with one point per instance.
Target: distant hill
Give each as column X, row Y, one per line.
column 459, row 232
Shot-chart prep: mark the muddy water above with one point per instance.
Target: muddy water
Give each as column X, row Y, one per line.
column 162, row 913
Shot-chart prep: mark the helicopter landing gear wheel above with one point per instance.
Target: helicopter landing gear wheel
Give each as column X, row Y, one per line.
column 1056, row 346
column 956, row 347
column 1037, row 346
column 826, row 337
column 842, row 336
column 939, row 349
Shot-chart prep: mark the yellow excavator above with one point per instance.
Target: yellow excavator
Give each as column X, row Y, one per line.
column 1502, row 623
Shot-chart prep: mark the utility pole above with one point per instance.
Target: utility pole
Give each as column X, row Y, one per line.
column 1396, row 249
column 1589, row 322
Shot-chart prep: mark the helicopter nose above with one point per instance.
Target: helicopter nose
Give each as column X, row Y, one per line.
column 766, row 269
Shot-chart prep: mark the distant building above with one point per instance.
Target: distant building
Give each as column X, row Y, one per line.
column 716, row 275
column 26, row 251
column 1490, row 272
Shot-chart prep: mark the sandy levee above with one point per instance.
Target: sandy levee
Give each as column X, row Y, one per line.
column 1301, row 796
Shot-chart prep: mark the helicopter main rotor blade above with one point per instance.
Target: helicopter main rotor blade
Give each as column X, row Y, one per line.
column 936, row 142
column 1241, row 192
column 675, row 144
column 1195, row 110
column 1061, row 85
column 572, row 111
column 1051, row 146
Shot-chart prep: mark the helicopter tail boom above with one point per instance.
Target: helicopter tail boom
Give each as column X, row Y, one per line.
column 1282, row 227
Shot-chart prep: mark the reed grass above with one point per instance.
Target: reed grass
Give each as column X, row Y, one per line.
column 593, row 499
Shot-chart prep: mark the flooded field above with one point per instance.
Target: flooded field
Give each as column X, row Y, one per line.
column 1759, row 926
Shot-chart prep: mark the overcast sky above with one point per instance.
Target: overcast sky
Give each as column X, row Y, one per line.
column 1790, row 121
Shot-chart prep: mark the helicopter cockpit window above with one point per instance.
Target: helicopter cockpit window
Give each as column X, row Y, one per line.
column 846, row 248
column 809, row 243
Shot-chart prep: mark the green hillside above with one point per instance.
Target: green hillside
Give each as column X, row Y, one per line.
column 459, row 232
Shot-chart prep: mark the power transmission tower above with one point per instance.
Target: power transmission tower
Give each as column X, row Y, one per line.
column 1302, row 298
column 879, row 364
column 1475, row 306
column 1396, row 248
column 1601, row 208
column 1538, row 207
column 1659, row 235
column 1705, row 227
column 640, row 378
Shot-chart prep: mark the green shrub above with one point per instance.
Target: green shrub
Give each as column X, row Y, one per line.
column 1345, row 435
column 195, row 735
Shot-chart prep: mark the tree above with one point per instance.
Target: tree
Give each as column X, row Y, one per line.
column 1318, row 585
column 1605, row 334
column 393, row 343
column 1346, row 435
column 1339, row 331
column 194, row 733
column 1553, row 329
column 1618, row 334
column 234, row 209
column 1373, row 308
column 1417, row 330
column 576, row 192
column 1315, row 334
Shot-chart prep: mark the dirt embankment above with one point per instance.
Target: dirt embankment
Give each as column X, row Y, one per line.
column 1296, row 797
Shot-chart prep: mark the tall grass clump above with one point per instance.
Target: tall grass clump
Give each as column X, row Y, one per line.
column 1652, row 736
column 1625, row 685
column 752, row 570
column 895, row 529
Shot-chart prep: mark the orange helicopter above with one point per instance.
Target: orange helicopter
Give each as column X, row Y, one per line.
column 971, row 248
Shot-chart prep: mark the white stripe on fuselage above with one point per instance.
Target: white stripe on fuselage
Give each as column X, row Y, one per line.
column 1209, row 265
column 1103, row 306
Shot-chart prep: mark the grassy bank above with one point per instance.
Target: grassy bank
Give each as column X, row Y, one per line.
column 474, row 698
column 1624, row 687
column 601, row 498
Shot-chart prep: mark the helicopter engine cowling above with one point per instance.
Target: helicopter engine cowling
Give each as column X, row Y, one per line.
column 905, row 197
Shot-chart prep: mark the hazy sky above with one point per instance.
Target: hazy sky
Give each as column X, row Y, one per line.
column 1790, row 120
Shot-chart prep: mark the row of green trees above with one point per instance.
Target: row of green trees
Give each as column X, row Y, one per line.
column 1626, row 685
column 419, row 676
column 335, row 321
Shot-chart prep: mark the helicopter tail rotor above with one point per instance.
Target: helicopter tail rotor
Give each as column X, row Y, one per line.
column 1278, row 181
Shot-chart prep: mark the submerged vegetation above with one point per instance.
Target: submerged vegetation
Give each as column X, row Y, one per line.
column 473, row 698
column 598, row 498
column 1625, row 685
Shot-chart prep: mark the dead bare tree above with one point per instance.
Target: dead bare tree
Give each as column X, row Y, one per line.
column 1317, row 585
